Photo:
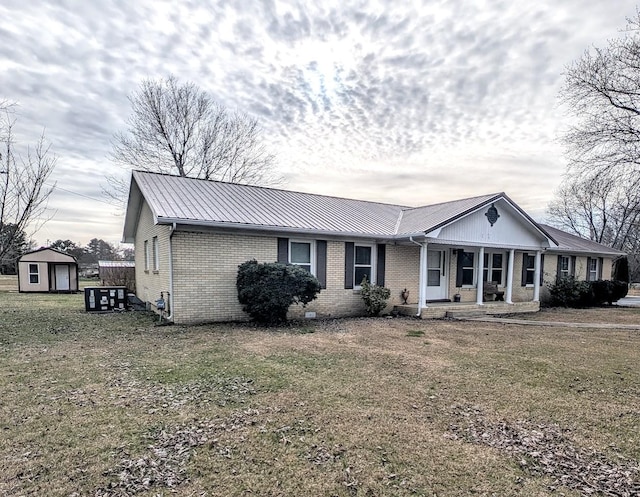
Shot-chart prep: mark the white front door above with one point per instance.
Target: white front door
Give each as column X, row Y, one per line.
column 436, row 275
column 62, row 277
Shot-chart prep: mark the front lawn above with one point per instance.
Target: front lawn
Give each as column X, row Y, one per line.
column 111, row 404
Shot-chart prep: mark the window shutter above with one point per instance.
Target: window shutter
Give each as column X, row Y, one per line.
column 321, row 262
column 573, row 266
column 523, row 281
column 283, row 250
column 459, row 268
column 349, row 249
column 382, row 250
column 559, row 268
column 588, row 278
column 541, row 269
column 600, row 264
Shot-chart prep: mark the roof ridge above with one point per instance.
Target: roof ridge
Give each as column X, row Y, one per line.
column 488, row 195
column 399, row 221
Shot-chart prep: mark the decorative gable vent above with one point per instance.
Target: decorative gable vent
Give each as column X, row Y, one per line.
column 492, row 214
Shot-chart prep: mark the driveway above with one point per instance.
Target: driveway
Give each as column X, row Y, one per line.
column 629, row 302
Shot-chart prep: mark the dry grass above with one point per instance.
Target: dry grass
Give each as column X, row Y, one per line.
column 113, row 405
column 614, row 314
column 8, row 283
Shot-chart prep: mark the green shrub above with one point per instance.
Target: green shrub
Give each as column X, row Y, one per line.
column 375, row 297
column 605, row 291
column 570, row 292
column 267, row 290
column 621, row 269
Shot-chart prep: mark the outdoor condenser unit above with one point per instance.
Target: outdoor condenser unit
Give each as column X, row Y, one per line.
column 105, row 298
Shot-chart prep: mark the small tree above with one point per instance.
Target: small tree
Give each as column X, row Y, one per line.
column 267, row 290
column 375, row 297
column 621, row 269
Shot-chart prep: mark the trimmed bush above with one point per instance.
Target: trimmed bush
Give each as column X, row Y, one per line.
column 267, row 290
column 570, row 292
column 375, row 297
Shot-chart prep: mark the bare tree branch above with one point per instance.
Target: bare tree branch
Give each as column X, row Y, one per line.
column 23, row 190
column 178, row 129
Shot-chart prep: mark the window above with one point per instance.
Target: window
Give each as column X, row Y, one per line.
column 468, row 259
column 156, row 255
column 363, row 264
column 564, row 266
column 301, row 254
column 146, row 255
column 592, row 269
column 34, row 274
column 493, row 267
column 529, row 268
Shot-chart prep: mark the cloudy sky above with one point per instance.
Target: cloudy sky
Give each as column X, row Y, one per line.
column 402, row 102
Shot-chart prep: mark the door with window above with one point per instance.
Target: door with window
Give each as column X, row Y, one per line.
column 436, row 277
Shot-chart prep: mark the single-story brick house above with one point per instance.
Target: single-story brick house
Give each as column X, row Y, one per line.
column 47, row 270
column 190, row 235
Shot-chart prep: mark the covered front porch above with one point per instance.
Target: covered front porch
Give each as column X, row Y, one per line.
column 441, row 310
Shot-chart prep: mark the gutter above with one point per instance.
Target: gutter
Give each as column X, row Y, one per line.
column 173, row 229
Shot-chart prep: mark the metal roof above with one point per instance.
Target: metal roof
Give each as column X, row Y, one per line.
column 573, row 243
column 116, row 264
column 195, row 201
column 190, row 201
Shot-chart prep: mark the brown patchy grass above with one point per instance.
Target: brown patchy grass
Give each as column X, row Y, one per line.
column 110, row 404
column 8, row 283
column 606, row 315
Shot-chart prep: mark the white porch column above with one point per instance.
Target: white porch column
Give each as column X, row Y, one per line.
column 510, row 262
column 536, row 280
column 480, row 283
column 422, row 279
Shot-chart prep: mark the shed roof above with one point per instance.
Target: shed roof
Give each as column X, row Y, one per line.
column 47, row 254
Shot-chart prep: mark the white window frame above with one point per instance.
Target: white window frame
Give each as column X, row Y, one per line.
column 474, row 268
column 593, row 271
column 489, row 266
column 312, row 254
column 146, row 255
column 36, row 274
column 155, row 250
column 374, row 258
column 565, row 273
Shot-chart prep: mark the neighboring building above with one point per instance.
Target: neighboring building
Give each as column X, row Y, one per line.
column 190, row 236
column 118, row 273
column 47, row 270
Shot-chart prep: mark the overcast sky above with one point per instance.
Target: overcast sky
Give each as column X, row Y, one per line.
column 403, row 102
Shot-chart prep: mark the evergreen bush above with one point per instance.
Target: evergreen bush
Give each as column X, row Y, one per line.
column 267, row 290
column 570, row 292
column 375, row 297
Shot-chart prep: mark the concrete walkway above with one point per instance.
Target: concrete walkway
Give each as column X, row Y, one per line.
column 557, row 324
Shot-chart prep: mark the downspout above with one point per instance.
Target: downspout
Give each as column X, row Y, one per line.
column 420, row 274
column 170, row 316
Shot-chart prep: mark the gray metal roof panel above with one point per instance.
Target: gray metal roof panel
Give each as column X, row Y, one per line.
column 189, row 199
column 573, row 243
column 429, row 217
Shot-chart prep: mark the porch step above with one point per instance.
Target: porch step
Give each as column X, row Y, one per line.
column 469, row 313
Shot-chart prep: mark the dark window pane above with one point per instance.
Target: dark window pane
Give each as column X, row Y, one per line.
column 360, row 273
column 497, row 261
column 530, row 276
column 304, row 266
column 485, row 273
column 486, row 259
column 467, row 259
column 363, row 256
column 300, row 252
column 33, row 278
column 433, row 277
column 531, row 261
column 467, row 276
column 496, row 275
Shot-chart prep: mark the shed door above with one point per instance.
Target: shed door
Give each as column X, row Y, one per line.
column 62, row 277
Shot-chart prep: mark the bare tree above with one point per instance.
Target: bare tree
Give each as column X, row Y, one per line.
column 177, row 128
column 600, row 209
column 24, row 192
column 602, row 90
